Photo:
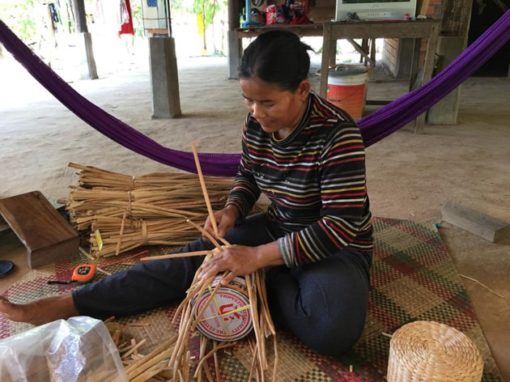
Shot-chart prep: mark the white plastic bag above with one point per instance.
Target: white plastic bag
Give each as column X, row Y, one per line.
column 77, row 349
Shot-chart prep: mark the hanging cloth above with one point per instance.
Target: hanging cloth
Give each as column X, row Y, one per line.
column 374, row 127
column 126, row 19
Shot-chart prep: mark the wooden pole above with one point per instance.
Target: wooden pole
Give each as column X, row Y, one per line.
column 88, row 67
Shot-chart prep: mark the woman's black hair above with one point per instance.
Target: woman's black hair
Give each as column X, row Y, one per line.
column 277, row 57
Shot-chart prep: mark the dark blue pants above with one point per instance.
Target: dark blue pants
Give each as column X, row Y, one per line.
column 324, row 304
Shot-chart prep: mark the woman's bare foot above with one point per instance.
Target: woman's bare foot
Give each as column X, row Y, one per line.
column 40, row 311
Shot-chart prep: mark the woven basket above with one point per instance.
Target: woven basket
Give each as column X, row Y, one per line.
column 430, row 351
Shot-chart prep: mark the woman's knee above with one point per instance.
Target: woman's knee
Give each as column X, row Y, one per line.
column 333, row 312
column 333, row 337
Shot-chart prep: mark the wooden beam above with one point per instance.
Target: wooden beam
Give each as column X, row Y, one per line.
column 476, row 222
column 364, row 52
column 3, row 225
column 456, row 17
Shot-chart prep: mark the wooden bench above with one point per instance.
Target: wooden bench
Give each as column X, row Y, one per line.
column 47, row 236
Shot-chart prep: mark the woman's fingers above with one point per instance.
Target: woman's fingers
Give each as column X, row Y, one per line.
column 221, row 261
column 207, row 226
column 208, row 273
column 221, row 222
column 214, row 266
column 227, row 278
column 236, row 260
column 223, row 226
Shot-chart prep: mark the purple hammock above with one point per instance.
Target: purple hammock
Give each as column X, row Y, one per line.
column 374, row 127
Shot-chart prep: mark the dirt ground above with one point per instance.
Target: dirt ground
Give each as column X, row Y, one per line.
column 410, row 176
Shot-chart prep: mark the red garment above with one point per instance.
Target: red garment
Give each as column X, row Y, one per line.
column 303, row 19
column 126, row 19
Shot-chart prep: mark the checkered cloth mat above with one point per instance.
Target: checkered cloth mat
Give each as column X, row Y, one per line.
column 413, row 278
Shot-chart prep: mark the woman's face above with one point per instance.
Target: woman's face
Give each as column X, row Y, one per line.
column 277, row 111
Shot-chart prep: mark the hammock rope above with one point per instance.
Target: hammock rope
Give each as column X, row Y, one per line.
column 374, row 127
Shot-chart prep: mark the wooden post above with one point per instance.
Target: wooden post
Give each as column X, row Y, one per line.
column 446, row 111
column 327, row 52
column 88, row 67
column 166, row 101
column 404, row 60
column 452, row 42
column 234, row 54
column 428, row 69
column 234, row 42
column 79, row 16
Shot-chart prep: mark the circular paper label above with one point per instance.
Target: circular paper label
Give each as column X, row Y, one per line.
column 227, row 316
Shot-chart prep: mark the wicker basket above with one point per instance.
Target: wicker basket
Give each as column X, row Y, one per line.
column 430, row 351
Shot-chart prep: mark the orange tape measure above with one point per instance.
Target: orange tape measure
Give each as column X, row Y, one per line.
column 83, row 273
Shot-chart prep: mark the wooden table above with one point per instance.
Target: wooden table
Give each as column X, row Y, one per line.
column 236, row 36
column 333, row 31
column 416, row 30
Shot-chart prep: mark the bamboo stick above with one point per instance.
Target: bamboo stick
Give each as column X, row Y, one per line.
column 208, row 373
column 254, row 358
column 203, row 345
column 149, row 359
column 175, row 255
column 134, row 348
column 275, row 366
column 212, row 218
column 150, row 372
column 212, row 352
column 206, row 234
column 122, row 224
column 216, row 364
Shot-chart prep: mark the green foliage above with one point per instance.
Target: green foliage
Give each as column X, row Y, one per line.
column 207, row 8
column 19, row 16
column 183, row 6
column 136, row 13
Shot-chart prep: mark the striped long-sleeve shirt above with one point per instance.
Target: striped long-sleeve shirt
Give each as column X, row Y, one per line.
column 315, row 180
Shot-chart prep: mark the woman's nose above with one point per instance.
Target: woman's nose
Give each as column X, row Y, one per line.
column 258, row 111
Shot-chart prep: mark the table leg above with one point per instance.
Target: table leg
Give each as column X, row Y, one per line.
column 326, row 56
column 428, row 69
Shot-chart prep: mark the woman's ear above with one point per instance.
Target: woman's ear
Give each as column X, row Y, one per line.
column 303, row 89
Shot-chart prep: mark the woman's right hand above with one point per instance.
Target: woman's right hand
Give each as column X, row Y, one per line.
column 225, row 219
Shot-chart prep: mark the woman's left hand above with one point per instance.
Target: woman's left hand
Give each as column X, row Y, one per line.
column 236, row 260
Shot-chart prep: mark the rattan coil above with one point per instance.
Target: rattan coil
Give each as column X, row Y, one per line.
column 430, row 351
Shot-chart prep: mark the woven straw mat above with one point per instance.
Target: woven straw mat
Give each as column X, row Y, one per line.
column 413, row 278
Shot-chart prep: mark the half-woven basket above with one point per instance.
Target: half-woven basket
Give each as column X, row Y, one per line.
column 431, row 351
